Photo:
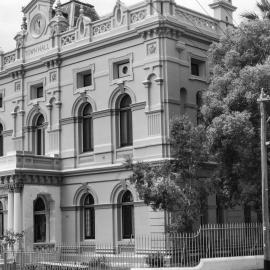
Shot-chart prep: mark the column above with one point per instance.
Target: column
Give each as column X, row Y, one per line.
column 17, row 210
column 10, row 209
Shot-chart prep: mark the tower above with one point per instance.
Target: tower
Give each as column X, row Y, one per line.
column 223, row 11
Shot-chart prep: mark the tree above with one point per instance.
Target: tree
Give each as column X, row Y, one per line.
column 241, row 66
column 264, row 7
column 176, row 185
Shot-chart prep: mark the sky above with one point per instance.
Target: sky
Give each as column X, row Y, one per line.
column 11, row 15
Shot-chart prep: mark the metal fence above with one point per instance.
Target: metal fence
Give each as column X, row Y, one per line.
column 155, row 250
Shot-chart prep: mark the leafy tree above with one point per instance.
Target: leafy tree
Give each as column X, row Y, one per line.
column 241, row 66
column 264, row 7
column 176, row 185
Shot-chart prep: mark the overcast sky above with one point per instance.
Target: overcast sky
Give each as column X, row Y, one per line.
column 11, row 16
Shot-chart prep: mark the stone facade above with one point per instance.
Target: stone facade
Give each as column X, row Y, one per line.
column 68, row 60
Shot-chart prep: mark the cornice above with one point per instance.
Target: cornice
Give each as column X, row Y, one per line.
column 16, row 180
column 98, row 206
column 68, row 120
column 138, row 106
column 96, row 170
column 102, row 113
column 223, row 4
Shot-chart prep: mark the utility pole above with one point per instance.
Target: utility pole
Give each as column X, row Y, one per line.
column 264, row 98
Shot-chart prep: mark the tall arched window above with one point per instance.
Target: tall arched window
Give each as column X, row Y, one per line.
column 39, row 221
column 1, row 141
column 125, row 125
column 183, row 100
column 89, row 217
column 219, row 210
column 199, row 105
column 127, row 215
column 87, row 128
column 1, row 220
column 40, row 136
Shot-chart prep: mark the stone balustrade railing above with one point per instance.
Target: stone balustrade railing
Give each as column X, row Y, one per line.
column 196, row 20
column 67, row 38
column 29, row 160
column 101, row 27
column 138, row 15
column 9, row 58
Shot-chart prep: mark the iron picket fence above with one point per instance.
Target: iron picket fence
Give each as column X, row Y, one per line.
column 155, row 250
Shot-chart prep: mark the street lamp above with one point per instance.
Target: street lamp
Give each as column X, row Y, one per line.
column 263, row 99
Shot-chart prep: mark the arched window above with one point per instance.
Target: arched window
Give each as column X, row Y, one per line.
column 199, row 105
column 87, row 128
column 125, row 121
column 40, row 136
column 39, row 221
column 1, row 220
column 1, row 141
column 183, row 100
column 247, row 213
column 127, row 215
column 219, row 211
column 89, row 217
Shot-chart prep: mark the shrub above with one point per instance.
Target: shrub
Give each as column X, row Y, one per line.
column 155, row 259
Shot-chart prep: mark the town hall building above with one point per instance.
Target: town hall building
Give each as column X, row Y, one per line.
column 79, row 95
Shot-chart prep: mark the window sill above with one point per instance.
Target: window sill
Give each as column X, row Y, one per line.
column 86, row 157
column 35, row 101
column 43, row 246
column 124, row 148
column 85, row 89
column 86, row 154
column 124, row 153
column 121, row 80
column 127, row 241
column 198, row 78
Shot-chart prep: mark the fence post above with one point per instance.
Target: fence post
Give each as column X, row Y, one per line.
column 21, row 259
column 5, row 260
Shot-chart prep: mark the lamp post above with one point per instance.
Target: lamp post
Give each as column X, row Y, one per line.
column 265, row 208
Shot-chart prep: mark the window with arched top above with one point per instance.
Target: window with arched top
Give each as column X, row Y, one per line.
column 183, row 100
column 199, row 105
column 127, row 215
column 39, row 221
column 89, row 217
column 1, row 141
column 40, row 135
column 87, row 128
column 1, row 220
column 125, row 121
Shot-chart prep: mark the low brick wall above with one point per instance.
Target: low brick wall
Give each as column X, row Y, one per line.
column 229, row 263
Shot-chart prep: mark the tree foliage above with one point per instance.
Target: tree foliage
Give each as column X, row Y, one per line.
column 175, row 185
column 241, row 67
column 230, row 138
column 264, row 7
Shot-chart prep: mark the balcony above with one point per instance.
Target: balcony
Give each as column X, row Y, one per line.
column 26, row 160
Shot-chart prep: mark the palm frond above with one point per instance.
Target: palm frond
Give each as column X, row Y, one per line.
column 250, row 16
column 264, row 5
